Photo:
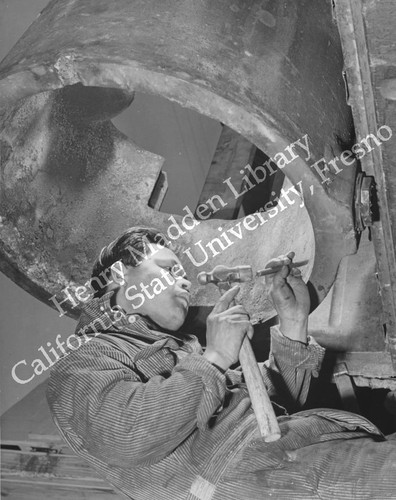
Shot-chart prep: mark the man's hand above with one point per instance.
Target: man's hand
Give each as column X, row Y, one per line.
column 290, row 297
column 226, row 328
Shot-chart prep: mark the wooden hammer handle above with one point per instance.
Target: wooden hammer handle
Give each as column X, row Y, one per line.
column 261, row 403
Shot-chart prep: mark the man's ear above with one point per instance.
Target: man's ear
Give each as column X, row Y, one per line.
column 118, row 272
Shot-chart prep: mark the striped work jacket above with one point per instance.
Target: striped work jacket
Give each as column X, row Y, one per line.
column 160, row 422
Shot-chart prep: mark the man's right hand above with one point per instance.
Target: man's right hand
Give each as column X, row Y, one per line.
column 291, row 298
column 226, row 328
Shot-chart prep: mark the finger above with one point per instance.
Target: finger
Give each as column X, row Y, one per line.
column 250, row 331
column 283, row 293
column 283, row 262
column 278, row 265
column 277, row 261
column 241, row 322
column 238, row 318
column 238, row 309
column 281, row 259
column 296, row 283
column 283, row 284
column 225, row 300
column 296, row 273
column 291, row 255
column 278, row 278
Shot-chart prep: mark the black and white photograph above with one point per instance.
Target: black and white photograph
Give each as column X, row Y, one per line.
column 198, row 249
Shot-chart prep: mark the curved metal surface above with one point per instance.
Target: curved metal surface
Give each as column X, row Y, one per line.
column 272, row 72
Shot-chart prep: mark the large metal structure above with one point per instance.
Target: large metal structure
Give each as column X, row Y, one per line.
column 272, row 72
column 71, row 181
column 275, row 72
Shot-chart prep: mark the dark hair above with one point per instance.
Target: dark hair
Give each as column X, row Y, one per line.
column 130, row 248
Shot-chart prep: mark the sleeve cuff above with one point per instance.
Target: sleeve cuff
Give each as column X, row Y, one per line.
column 295, row 353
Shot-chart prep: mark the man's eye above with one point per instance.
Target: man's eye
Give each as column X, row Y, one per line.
column 176, row 271
column 170, row 269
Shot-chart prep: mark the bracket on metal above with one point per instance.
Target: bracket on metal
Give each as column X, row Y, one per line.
column 364, row 201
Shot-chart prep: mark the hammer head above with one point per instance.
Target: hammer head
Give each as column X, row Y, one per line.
column 225, row 274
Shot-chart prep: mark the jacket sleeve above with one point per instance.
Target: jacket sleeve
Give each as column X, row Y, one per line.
column 289, row 369
column 102, row 406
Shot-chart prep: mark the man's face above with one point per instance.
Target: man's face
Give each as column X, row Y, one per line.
column 157, row 288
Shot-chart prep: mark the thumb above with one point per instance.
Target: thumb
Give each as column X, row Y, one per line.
column 295, row 271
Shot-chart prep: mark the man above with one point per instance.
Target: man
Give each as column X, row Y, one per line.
column 162, row 419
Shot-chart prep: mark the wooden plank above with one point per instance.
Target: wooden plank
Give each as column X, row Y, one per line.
column 232, row 154
column 345, row 388
column 37, row 462
column 30, row 491
column 57, row 482
column 159, row 191
column 44, row 467
column 380, row 28
column 34, row 443
column 258, row 196
column 26, row 474
column 369, row 369
column 47, row 462
column 373, row 364
column 350, row 21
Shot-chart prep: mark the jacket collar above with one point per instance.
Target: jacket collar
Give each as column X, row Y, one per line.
column 118, row 321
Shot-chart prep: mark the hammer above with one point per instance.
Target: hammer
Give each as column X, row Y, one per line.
column 223, row 276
